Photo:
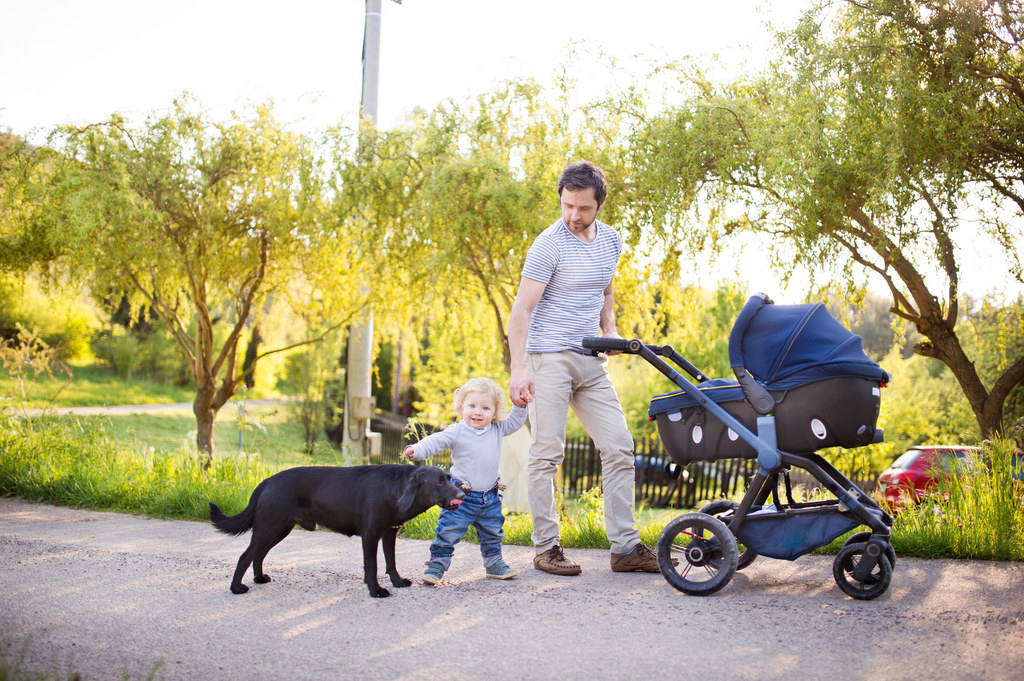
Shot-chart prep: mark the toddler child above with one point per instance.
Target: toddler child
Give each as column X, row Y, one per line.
column 475, row 443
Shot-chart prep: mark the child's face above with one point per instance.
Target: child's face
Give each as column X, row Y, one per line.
column 478, row 410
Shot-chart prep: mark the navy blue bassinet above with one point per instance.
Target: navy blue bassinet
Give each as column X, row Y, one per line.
column 796, row 362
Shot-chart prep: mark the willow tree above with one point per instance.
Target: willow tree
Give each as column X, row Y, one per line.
column 201, row 221
column 872, row 140
column 453, row 199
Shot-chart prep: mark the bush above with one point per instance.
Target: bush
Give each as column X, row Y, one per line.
column 160, row 359
column 28, row 362
column 154, row 356
column 61, row 317
column 121, row 351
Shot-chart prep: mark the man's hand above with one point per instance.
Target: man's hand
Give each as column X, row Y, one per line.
column 520, row 388
column 612, row 353
column 408, row 453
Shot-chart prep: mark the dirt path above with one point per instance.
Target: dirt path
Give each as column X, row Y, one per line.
column 164, row 408
column 120, row 594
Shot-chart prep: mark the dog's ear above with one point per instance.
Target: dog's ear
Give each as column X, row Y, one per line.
column 409, row 493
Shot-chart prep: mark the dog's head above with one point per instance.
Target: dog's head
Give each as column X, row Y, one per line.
column 429, row 486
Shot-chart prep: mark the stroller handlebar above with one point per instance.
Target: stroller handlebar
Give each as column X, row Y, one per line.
column 651, row 353
column 601, row 344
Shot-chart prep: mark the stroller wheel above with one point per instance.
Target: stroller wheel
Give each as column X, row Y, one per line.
column 723, row 509
column 874, row 585
column 862, row 538
column 706, row 551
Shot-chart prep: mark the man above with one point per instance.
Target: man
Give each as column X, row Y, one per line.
column 565, row 294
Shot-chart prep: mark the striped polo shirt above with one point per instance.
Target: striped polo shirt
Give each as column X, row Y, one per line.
column 576, row 274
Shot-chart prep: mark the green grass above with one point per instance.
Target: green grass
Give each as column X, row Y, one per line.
column 581, row 522
column 267, row 432
column 978, row 516
column 92, row 385
column 73, row 463
column 146, row 464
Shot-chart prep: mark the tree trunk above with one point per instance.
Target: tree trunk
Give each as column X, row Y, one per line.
column 205, row 414
column 251, row 353
column 944, row 345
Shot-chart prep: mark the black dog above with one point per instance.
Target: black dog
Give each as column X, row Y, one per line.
column 370, row 501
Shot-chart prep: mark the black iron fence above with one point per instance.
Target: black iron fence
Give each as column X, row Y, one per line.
column 695, row 483
column 581, row 470
column 657, row 484
column 689, row 486
column 395, row 436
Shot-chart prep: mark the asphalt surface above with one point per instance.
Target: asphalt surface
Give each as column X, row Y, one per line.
column 111, row 595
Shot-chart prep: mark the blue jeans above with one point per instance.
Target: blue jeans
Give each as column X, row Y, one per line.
column 482, row 510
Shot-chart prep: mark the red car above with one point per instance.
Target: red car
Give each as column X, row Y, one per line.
column 915, row 473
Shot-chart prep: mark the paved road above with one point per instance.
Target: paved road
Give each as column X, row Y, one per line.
column 117, row 594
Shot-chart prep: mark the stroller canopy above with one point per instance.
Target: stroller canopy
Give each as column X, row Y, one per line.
column 787, row 346
column 783, row 347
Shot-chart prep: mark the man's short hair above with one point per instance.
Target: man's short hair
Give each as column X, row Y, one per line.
column 583, row 174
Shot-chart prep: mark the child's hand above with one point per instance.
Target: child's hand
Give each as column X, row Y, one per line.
column 408, row 453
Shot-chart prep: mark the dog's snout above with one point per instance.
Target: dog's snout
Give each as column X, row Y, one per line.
column 459, row 494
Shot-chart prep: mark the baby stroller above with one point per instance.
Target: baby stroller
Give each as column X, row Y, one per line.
column 803, row 383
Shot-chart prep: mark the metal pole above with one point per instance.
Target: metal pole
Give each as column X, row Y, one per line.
column 358, row 401
column 371, row 60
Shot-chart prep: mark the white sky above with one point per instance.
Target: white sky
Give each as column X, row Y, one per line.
column 77, row 61
column 81, row 60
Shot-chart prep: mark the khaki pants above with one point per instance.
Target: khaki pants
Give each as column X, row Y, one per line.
column 569, row 379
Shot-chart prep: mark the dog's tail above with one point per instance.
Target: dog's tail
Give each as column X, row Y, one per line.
column 236, row 524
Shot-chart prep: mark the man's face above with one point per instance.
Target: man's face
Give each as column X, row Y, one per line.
column 579, row 209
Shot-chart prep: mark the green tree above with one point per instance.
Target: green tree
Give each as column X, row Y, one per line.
column 201, row 221
column 453, row 199
column 875, row 140
column 993, row 332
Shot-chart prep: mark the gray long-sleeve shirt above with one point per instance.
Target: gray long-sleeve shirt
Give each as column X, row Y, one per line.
column 475, row 453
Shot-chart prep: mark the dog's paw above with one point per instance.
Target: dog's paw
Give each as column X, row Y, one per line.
column 261, row 579
column 380, row 592
column 401, row 582
column 239, row 588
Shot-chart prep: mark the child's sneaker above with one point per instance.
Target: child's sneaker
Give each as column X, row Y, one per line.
column 500, row 571
column 433, row 573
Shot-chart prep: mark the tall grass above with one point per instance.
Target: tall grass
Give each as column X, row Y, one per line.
column 977, row 514
column 90, row 463
column 77, row 462
column 581, row 522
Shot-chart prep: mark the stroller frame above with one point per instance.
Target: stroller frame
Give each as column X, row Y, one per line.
column 709, row 539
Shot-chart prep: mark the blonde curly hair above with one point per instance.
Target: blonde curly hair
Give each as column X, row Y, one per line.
column 487, row 386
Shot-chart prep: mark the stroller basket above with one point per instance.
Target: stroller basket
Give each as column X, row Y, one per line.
column 791, row 534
